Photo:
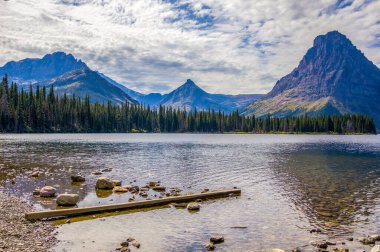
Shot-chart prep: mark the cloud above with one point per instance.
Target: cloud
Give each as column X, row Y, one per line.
column 235, row 46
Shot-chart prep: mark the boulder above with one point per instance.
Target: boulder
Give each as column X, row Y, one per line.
column 67, row 199
column 217, row 239
column 193, row 206
column 104, row 183
column 47, row 191
column 77, row 178
column 116, row 182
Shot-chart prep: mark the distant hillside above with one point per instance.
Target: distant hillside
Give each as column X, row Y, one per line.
column 334, row 77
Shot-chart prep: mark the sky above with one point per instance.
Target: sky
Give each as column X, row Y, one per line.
column 232, row 47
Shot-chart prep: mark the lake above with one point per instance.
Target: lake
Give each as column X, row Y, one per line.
column 290, row 184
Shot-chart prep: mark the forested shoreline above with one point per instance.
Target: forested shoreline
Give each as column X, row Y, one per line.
column 41, row 111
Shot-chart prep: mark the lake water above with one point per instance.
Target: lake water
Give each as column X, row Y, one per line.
column 290, row 184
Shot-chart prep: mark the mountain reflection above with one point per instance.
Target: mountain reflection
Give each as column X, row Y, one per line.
column 335, row 187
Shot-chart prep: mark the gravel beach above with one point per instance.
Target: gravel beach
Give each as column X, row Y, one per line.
column 18, row 234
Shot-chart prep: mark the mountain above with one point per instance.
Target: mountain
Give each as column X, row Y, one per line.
column 67, row 74
column 334, row 77
column 84, row 81
column 190, row 96
column 29, row 71
column 72, row 76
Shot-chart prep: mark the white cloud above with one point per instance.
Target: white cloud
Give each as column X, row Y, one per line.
column 235, row 46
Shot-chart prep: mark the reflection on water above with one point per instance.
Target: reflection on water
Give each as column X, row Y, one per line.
column 290, row 184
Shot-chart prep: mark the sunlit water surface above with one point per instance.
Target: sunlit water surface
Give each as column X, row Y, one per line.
column 290, row 184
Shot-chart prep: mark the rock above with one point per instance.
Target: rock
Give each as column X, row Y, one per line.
column 180, row 205
column 205, row 190
column 316, row 230
column 124, row 244
column 159, row 188
column 143, row 194
column 144, row 188
column 97, row 173
column 193, row 206
column 366, row 240
column 130, row 239
column 217, row 239
column 121, row 189
column 77, row 178
column 116, row 182
column 350, row 238
column 67, row 199
column 375, row 248
column 340, row 250
column 374, row 237
column 198, row 200
column 68, row 221
column 125, row 249
column 331, row 243
column 104, row 183
column 47, row 191
column 210, row 246
column 278, row 250
column 319, row 244
column 107, row 170
column 152, row 183
column 136, row 243
column 37, row 191
column 296, row 250
column 35, row 174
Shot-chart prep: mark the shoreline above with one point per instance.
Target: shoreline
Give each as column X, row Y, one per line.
column 18, row 234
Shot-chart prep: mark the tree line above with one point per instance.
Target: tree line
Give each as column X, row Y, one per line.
column 40, row 110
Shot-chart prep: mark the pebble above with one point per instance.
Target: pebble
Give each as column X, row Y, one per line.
column 39, row 235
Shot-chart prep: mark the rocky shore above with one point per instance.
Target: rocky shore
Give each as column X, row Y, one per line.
column 18, row 234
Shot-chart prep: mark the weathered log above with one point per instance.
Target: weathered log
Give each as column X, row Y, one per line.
column 129, row 205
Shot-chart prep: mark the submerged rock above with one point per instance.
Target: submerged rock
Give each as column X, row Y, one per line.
column 319, row 244
column 217, row 239
column 48, row 191
column 104, row 183
column 35, row 174
column 193, row 206
column 210, row 246
column 159, row 188
column 121, row 189
column 67, row 199
column 77, row 178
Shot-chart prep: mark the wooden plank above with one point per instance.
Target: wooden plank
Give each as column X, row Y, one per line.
column 128, row 205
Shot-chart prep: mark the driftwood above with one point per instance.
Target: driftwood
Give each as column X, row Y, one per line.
column 129, row 205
